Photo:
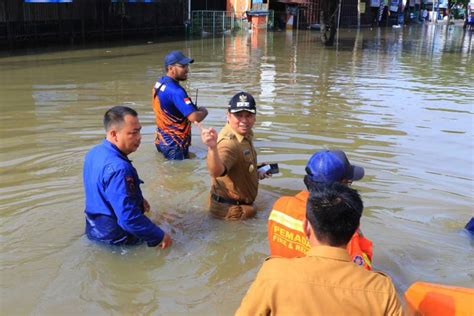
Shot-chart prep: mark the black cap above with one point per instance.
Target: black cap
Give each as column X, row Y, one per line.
column 242, row 101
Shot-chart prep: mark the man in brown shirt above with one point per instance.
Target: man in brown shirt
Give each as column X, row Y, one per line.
column 326, row 281
column 232, row 161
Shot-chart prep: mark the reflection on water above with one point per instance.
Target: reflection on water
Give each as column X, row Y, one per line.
column 400, row 102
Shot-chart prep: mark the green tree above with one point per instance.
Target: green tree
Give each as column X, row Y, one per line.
column 452, row 3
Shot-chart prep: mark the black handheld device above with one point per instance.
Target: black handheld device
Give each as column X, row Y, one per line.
column 271, row 168
column 274, row 168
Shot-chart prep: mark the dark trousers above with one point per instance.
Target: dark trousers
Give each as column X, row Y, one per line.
column 173, row 152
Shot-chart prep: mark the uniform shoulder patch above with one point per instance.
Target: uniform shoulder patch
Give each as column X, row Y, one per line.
column 358, row 260
column 131, row 187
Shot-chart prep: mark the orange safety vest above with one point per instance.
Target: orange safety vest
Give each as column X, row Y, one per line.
column 287, row 238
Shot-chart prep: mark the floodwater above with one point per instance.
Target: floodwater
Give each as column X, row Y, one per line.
column 398, row 101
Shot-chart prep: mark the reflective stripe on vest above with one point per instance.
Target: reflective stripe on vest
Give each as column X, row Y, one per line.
column 367, row 261
column 285, row 220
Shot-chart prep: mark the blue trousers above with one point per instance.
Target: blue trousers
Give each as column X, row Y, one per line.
column 173, row 152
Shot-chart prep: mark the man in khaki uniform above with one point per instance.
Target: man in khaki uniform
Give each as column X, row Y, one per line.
column 232, row 161
column 326, row 281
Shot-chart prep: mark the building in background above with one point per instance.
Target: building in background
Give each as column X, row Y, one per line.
column 239, row 7
column 24, row 22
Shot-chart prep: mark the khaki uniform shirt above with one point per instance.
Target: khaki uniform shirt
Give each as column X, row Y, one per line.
column 240, row 159
column 240, row 181
column 325, row 282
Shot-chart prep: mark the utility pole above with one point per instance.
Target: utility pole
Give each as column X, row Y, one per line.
column 189, row 10
column 448, row 11
column 358, row 14
column 338, row 22
column 339, row 15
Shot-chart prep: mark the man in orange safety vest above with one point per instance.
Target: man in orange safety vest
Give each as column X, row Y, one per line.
column 286, row 235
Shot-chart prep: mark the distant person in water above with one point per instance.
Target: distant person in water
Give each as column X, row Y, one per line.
column 174, row 109
column 114, row 204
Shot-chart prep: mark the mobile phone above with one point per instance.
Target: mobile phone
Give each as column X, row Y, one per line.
column 265, row 168
column 274, row 168
column 270, row 168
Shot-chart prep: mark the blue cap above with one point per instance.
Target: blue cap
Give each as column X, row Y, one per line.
column 332, row 166
column 177, row 57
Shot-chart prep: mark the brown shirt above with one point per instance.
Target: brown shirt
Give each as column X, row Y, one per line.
column 240, row 181
column 325, row 282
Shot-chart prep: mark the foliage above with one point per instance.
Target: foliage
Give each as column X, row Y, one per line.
column 462, row 3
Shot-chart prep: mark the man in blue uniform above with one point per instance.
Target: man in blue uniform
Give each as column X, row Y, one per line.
column 174, row 109
column 114, row 204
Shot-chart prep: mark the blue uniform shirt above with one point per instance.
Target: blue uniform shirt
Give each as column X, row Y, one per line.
column 113, row 199
column 172, row 105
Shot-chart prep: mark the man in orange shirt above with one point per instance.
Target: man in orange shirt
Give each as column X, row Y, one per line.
column 286, row 235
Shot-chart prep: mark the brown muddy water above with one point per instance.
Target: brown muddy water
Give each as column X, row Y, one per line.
column 399, row 102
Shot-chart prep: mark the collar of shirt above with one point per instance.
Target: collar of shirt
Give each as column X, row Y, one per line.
column 229, row 131
column 114, row 148
column 329, row 252
column 166, row 79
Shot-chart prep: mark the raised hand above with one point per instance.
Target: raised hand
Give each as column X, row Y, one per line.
column 209, row 137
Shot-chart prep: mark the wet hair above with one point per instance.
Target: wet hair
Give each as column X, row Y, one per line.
column 334, row 211
column 116, row 116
